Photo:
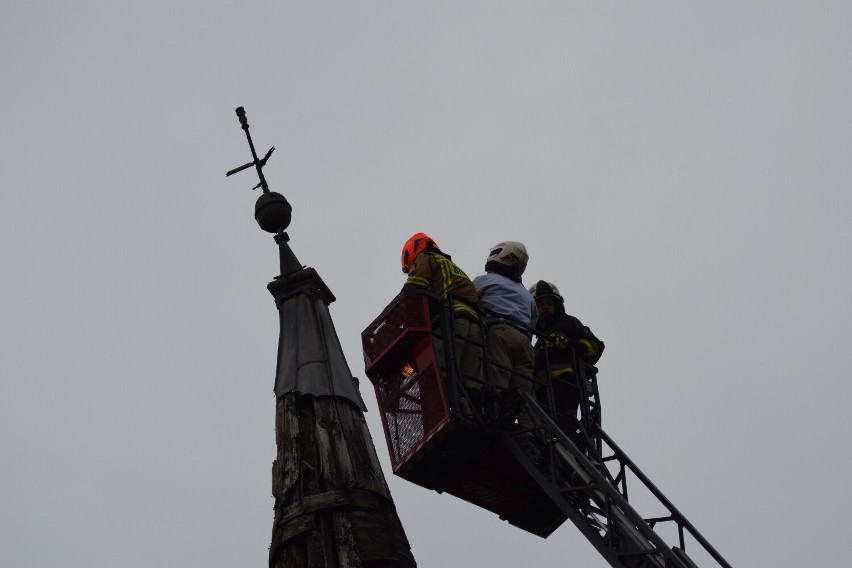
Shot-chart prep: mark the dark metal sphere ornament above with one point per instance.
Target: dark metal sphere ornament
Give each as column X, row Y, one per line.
column 272, row 212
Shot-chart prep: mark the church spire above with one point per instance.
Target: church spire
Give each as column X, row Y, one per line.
column 332, row 504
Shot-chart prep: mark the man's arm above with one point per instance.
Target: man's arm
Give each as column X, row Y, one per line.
column 580, row 338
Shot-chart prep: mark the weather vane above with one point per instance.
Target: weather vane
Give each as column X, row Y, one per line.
column 271, row 211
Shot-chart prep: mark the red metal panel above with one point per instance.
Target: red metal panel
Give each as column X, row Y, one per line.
column 400, row 362
column 408, row 314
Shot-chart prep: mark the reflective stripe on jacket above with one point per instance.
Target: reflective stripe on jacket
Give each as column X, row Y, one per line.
column 564, row 334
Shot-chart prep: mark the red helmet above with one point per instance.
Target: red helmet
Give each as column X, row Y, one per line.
column 413, row 247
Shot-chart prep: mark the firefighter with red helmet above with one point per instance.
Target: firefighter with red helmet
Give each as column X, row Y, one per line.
column 562, row 338
column 430, row 268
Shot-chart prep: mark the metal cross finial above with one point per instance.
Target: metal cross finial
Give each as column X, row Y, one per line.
column 257, row 163
column 271, row 211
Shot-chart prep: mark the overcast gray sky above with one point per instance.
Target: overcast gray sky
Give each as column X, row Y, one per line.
column 680, row 170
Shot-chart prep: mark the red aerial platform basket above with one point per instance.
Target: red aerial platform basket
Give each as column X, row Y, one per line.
column 429, row 442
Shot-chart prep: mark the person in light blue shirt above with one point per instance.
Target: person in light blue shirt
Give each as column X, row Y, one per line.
column 510, row 316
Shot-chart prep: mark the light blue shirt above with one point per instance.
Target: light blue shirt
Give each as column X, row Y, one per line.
column 504, row 300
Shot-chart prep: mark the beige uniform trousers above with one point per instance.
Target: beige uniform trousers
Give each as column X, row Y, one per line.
column 512, row 358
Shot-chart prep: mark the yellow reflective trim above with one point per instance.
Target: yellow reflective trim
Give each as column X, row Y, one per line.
column 418, row 281
column 590, row 347
column 462, row 307
column 560, row 372
column 544, row 378
column 446, row 277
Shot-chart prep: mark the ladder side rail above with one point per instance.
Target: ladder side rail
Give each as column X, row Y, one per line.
column 594, row 431
column 445, row 333
column 547, row 385
column 674, row 514
column 580, row 374
column 550, row 484
column 630, row 539
column 456, row 388
column 590, row 405
column 547, row 382
column 628, row 522
column 590, row 402
column 481, row 345
column 598, row 407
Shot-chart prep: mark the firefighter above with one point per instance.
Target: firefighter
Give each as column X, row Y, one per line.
column 510, row 316
column 430, row 268
column 562, row 339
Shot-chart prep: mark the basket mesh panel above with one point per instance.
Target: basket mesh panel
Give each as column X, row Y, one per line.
column 412, row 409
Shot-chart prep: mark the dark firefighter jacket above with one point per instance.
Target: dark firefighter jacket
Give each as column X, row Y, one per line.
column 435, row 270
column 558, row 335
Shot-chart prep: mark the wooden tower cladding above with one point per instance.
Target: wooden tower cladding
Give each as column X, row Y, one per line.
column 332, row 505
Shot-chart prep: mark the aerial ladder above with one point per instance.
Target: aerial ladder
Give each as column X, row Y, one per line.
column 534, row 476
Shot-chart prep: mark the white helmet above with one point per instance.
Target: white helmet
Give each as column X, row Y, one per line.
column 510, row 254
